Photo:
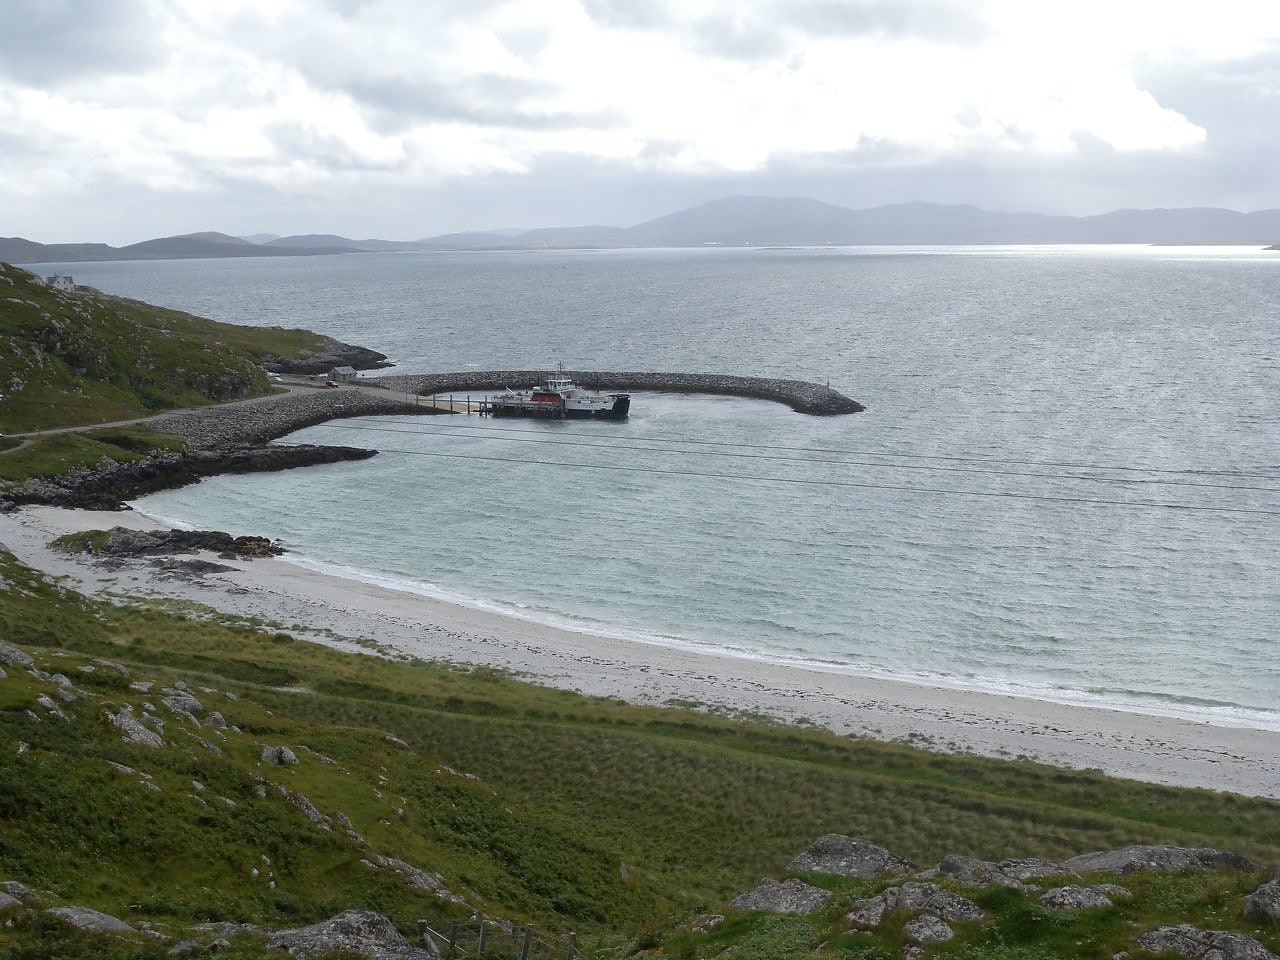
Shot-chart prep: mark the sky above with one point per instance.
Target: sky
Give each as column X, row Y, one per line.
column 122, row 120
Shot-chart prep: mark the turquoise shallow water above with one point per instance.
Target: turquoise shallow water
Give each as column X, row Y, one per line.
column 943, row 534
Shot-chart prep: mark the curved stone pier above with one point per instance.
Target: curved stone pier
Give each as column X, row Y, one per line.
column 799, row 395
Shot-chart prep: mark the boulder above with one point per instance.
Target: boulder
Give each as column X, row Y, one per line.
column 789, row 896
column 355, row 931
column 21, row 892
column 867, row 914
column 131, row 731
column 1073, row 897
column 279, row 756
column 8, row 903
column 82, row 918
column 180, row 701
column 1189, row 941
column 14, row 657
column 927, row 928
column 932, row 899
column 1263, row 905
column 1157, row 857
column 850, row 857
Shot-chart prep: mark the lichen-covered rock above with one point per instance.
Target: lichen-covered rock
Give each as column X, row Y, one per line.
column 927, row 928
column 22, row 893
column 1072, row 897
column 180, row 701
column 1263, row 905
column 14, row 657
column 278, row 756
column 789, row 896
column 867, row 914
column 8, row 903
column 82, row 918
column 131, row 730
column 1006, row 873
column 1189, row 941
column 1158, row 857
column 355, row 931
column 417, row 878
column 850, row 857
column 933, row 899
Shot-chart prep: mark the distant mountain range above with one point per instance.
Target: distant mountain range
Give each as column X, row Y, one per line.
column 733, row 221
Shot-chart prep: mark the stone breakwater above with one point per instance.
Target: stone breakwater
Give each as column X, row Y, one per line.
column 211, row 428
column 799, row 395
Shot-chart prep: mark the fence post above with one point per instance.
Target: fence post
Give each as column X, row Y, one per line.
column 422, row 933
column 524, row 947
column 484, row 928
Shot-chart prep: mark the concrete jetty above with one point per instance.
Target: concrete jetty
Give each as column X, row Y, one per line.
column 800, row 395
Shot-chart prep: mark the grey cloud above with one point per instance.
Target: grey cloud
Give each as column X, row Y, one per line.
column 50, row 41
column 485, row 100
column 766, row 30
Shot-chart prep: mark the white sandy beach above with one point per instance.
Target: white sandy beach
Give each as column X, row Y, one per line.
column 1159, row 749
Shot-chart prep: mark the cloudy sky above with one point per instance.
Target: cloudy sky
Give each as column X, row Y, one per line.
column 127, row 119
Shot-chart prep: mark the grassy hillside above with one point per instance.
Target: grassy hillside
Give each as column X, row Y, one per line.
column 86, row 357
column 618, row 822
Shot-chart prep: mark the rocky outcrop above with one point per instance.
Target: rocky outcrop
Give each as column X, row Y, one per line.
column 107, row 485
column 927, row 928
column 1072, row 897
column 355, row 931
column 1189, row 941
column 799, row 395
column 1263, row 905
column 926, row 898
column 789, row 896
column 1162, row 858
column 121, row 542
column 850, row 857
column 14, row 657
column 1005, row 873
column 334, row 353
column 82, row 918
column 131, row 729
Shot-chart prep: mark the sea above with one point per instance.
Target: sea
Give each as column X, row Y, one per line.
column 1066, row 483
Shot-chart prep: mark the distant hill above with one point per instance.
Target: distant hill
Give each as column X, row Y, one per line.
column 732, row 221
column 184, row 247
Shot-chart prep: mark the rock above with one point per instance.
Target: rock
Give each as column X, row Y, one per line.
column 1263, row 905
column 849, row 857
column 345, row 823
column 309, row 810
column 180, row 701
column 933, row 899
column 789, row 896
column 8, row 903
column 1189, row 941
column 21, row 892
column 706, row 923
column 417, row 878
column 355, row 931
column 395, row 741
column 112, row 665
column 279, row 756
column 82, row 918
column 927, row 928
column 1007, row 873
column 1155, row 857
column 216, row 719
column 142, row 686
column 1075, row 898
column 867, row 914
column 131, row 731
column 14, row 657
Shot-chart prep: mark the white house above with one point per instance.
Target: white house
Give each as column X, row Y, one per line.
column 62, row 282
column 338, row 374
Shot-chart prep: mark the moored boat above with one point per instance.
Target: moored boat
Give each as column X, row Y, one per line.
column 558, row 397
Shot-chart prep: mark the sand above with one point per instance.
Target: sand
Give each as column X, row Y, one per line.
column 1157, row 749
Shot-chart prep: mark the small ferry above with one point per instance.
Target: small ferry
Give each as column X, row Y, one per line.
column 558, row 397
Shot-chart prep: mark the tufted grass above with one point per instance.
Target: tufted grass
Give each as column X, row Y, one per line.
column 618, row 821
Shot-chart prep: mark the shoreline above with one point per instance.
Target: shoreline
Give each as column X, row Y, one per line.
column 1121, row 742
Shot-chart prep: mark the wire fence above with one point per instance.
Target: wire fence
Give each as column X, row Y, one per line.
column 497, row 941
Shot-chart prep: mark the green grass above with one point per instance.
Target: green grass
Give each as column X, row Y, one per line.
column 620, row 822
column 86, row 357
column 58, row 453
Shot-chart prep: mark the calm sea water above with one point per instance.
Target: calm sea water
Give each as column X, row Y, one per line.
column 950, row 533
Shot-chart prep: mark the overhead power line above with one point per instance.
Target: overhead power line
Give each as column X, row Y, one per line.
column 836, row 483
column 1135, row 468
column 487, row 434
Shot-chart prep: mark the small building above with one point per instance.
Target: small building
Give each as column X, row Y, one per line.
column 61, row 282
column 339, row 374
